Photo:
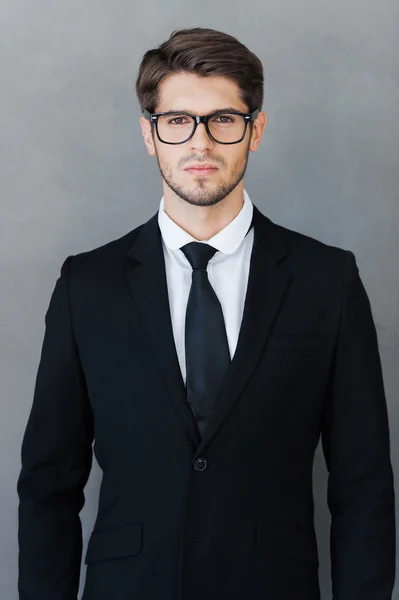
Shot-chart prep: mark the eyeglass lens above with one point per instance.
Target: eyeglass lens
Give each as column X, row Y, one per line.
column 178, row 128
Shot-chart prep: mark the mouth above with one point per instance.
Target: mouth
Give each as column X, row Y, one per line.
column 201, row 170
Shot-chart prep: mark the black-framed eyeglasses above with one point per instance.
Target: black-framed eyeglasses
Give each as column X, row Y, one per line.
column 223, row 127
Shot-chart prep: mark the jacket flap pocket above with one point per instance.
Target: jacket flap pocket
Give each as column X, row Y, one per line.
column 287, row 541
column 295, row 342
column 115, row 542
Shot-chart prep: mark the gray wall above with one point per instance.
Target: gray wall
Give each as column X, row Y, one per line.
column 74, row 172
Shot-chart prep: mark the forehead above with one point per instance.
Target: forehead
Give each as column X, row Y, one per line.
column 200, row 95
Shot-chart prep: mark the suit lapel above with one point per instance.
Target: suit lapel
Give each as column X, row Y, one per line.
column 148, row 284
column 267, row 285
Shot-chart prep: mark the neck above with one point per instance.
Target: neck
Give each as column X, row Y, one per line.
column 203, row 222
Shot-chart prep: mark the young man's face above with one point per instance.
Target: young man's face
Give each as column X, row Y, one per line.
column 201, row 96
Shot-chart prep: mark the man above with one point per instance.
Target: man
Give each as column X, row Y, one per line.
column 205, row 353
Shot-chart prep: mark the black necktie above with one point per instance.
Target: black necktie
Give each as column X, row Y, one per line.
column 207, row 351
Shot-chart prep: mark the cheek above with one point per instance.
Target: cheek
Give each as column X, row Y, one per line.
column 168, row 160
column 237, row 161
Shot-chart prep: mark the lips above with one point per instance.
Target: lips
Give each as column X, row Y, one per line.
column 201, row 169
column 204, row 167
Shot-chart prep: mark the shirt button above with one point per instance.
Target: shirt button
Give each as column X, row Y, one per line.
column 200, row 464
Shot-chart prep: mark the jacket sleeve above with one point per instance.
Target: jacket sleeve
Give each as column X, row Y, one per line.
column 56, row 462
column 356, row 446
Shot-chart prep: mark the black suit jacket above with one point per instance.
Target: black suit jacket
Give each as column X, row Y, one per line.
column 228, row 516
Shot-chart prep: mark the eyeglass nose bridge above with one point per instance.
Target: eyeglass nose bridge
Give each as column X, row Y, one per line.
column 201, row 119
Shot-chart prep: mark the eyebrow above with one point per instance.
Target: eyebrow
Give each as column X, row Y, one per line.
column 229, row 109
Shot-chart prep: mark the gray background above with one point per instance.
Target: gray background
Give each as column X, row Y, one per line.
column 75, row 174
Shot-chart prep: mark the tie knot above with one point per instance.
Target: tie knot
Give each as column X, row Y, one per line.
column 198, row 254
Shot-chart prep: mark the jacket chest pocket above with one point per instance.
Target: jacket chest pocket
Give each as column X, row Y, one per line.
column 286, row 541
column 115, row 542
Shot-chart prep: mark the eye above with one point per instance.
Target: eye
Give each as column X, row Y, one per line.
column 224, row 119
column 178, row 121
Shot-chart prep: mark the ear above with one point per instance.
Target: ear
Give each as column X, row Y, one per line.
column 146, row 131
column 257, row 131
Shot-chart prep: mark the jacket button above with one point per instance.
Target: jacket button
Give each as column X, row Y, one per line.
column 200, row 464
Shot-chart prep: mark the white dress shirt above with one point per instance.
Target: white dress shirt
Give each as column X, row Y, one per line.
column 227, row 270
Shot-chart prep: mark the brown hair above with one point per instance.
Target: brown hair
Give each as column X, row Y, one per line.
column 204, row 52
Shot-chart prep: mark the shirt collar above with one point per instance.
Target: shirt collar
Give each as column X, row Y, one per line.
column 227, row 240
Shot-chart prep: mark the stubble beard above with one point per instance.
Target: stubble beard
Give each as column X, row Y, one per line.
column 202, row 196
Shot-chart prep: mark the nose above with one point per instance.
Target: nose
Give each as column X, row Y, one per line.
column 201, row 140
